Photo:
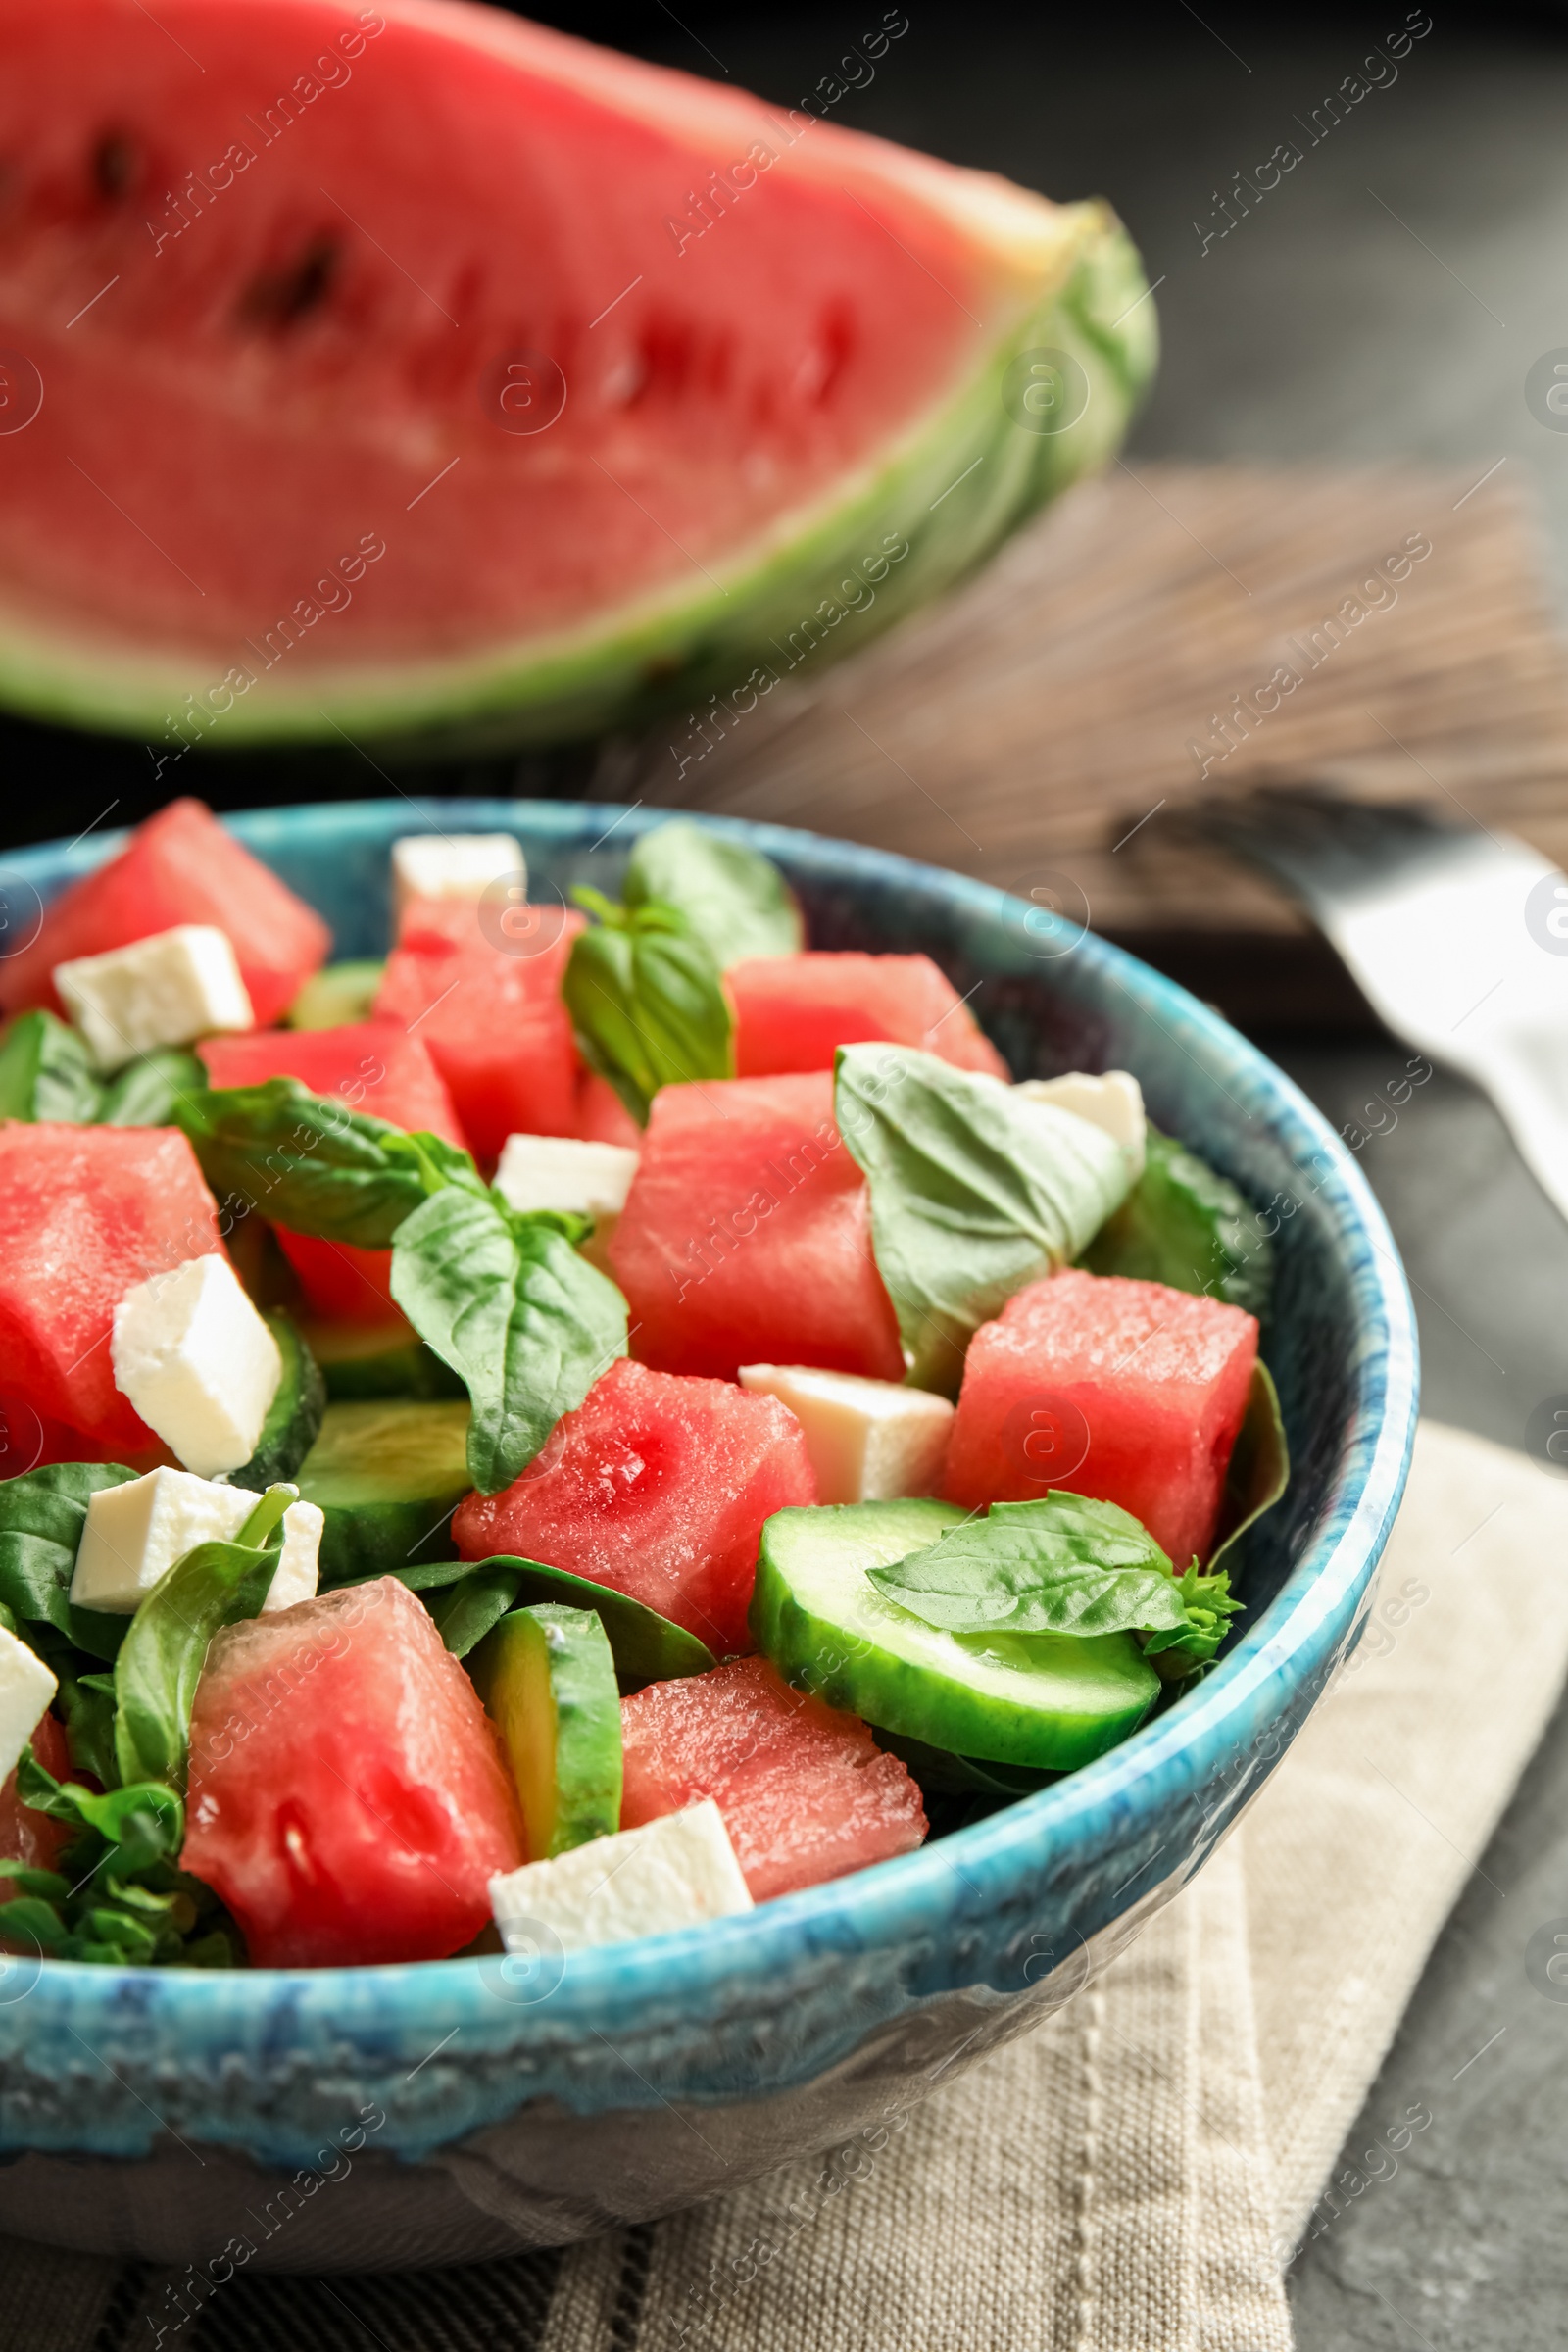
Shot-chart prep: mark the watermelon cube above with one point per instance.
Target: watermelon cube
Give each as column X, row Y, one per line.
column 489, row 1007
column 348, row 1800
column 85, row 1214
column 656, row 1487
column 602, row 1117
column 1129, row 1391
column 377, row 1067
column 179, row 867
column 746, row 1236
column 806, row 1793
column 792, row 1012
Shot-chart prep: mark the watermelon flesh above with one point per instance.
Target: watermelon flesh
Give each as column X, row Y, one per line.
column 792, row 1012
column 746, row 1237
column 1127, row 1390
column 489, row 1010
column 376, row 1067
column 348, row 1800
column 35, row 1838
column 178, row 867
column 657, row 1487
column 658, row 372
column 86, row 1213
column 806, row 1793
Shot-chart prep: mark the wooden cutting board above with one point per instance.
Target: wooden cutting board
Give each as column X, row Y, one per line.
column 1168, row 633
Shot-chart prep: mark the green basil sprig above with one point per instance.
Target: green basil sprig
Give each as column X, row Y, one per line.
column 120, row 1898
column 42, row 1514
column 47, row 1072
column 646, row 1647
column 145, row 1092
column 1063, row 1565
column 975, row 1191
column 735, row 902
column 1186, row 1225
column 646, row 999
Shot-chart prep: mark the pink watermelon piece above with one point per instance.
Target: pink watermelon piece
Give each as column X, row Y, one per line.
column 746, row 1237
column 602, row 1117
column 657, row 1487
column 806, row 1793
column 377, row 1067
column 489, row 1010
column 86, row 1213
column 178, row 867
column 1127, row 1390
column 348, row 1800
column 26, row 1835
column 792, row 1012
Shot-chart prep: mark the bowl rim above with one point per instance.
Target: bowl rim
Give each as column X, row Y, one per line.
column 963, row 1873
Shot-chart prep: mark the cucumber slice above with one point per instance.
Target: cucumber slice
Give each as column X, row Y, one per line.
column 362, row 1360
column 548, row 1682
column 1047, row 1701
column 342, row 993
column 388, row 1476
column 293, row 1418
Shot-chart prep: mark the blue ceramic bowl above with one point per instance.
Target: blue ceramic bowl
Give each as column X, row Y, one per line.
column 467, row 2107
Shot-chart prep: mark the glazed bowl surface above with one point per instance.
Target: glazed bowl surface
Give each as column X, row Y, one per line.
column 358, row 2117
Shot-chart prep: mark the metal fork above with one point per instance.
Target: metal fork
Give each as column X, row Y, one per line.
column 1458, row 935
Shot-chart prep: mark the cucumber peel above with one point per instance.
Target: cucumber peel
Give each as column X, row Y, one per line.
column 293, row 1418
column 548, row 1682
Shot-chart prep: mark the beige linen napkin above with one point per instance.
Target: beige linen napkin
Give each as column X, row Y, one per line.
column 1131, row 2176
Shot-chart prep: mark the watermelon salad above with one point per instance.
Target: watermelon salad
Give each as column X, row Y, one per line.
column 602, row 1418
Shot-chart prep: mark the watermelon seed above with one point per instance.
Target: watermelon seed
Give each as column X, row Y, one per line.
column 280, row 298
column 116, row 166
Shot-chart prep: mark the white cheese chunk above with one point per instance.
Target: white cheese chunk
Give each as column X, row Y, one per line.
column 460, row 866
column 26, row 1688
column 135, row 1532
column 198, row 1363
column 868, row 1440
column 562, row 1171
column 1113, row 1103
column 671, row 1873
column 168, row 990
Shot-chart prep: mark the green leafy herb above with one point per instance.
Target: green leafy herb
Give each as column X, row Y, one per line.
column 736, row 903
column 1185, row 1224
column 511, row 1305
column 47, row 1072
column 975, row 1191
column 311, row 1164
column 466, row 1611
column 145, row 1092
column 1063, row 1565
column 120, row 1898
column 646, row 1647
column 161, row 1658
column 647, row 1000
column 293, row 1418
column 42, row 1515
column 1259, row 1469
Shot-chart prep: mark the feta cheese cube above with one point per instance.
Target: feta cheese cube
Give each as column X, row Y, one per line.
column 868, row 1440
column 671, row 1873
column 559, row 1171
column 198, row 1363
column 458, row 866
column 135, row 1532
column 168, row 990
column 1115, row 1102
column 26, row 1688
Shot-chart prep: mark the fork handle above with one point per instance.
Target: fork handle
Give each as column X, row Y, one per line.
column 1535, row 1110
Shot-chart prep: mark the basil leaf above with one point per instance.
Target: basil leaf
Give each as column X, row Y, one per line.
column 47, row 1072
column 42, row 1515
column 467, row 1610
column 311, row 1164
column 1177, row 1652
column 509, row 1302
column 293, row 1418
column 975, row 1191
column 647, row 1002
column 161, row 1658
column 1259, row 1469
column 1061, row 1565
column 120, row 1895
column 735, row 902
column 1185, row 1224
column 145, row 1092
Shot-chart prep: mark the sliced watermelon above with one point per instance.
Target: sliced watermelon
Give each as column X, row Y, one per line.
column 523, row 386
column 348, row 1800
column 488, row 1006
column 657, row 1487
column 86, row 1213
column 602, row 1117
column 179, row 867
column 806, row 1793
column 376, row 1066
column 792, row 1012
column 1126, row 1391
column 746, row 1236
column 26, row 1835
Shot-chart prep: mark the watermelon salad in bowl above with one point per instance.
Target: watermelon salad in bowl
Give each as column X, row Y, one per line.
column 661, row 1475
